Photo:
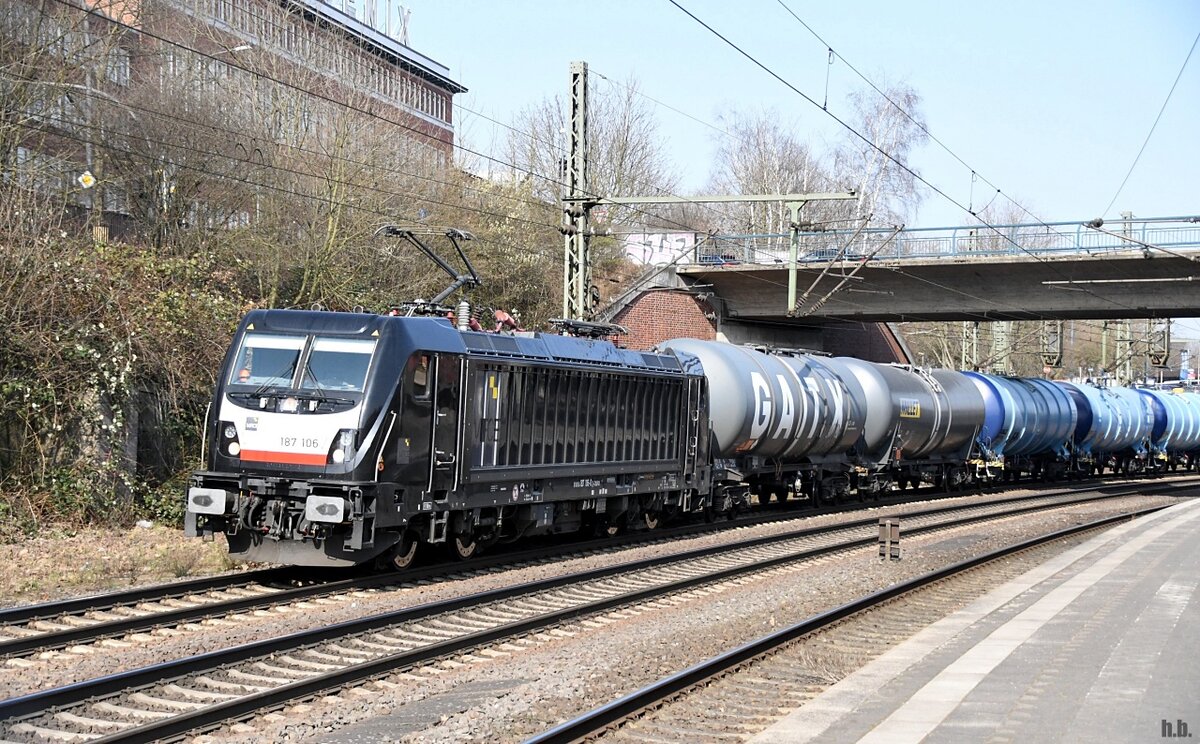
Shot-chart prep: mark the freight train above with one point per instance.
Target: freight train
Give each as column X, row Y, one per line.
column 338, row 438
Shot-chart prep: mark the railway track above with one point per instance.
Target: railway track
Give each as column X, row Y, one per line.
column 202, row 692
column 35, row 629
column 723, row 698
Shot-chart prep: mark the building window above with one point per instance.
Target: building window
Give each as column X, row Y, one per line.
column 118, row 66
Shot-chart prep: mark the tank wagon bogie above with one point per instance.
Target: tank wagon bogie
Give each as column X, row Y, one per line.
column 342, row 438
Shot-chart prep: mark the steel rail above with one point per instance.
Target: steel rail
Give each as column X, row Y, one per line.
column 110, row 628
column 211, row 716
column 84, row 634
column 54, row 609
column 154, row 592
column 607, row 716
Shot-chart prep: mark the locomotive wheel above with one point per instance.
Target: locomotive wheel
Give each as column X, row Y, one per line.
column 462, row 547
column 404, row 554
column 603, row 528
column 650, row 520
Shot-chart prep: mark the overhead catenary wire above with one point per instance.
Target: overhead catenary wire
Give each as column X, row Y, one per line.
column 719, row 130
column 974, row 173
column 996, row 192
column 916, row 122
column 321, row 199
column 320, row 96
column 1153, row 126
column 267, row 77
column 262, row 75
column 308, row 151
column 509, row 165
column 866, row 140
column 60, row 131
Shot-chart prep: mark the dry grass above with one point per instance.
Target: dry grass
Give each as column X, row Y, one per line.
column 60, row 563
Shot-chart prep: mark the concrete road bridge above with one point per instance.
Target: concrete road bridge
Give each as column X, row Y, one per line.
column 1134, row 268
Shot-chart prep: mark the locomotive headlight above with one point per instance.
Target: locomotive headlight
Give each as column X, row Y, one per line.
column 229, row 444
column 343, row 446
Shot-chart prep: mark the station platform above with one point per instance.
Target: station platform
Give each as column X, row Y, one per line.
column 1101, row 643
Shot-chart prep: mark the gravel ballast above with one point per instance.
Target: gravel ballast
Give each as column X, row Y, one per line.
column 514, row 690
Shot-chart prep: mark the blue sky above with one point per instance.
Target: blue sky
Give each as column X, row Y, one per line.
column 1050, row 101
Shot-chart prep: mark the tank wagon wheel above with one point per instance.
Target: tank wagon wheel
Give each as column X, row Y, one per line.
column 404, row 554
column 651, row 519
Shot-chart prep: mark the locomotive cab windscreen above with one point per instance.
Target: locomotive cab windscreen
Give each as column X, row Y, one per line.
column 295, row 400
column 270, row 362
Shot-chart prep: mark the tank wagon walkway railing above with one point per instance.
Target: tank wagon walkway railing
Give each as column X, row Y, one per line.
column 1088, row 237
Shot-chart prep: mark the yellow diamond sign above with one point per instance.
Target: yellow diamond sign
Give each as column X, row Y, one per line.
column 86, row 179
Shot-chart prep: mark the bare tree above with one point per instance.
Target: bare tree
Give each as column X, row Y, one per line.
column 625, row 149
column 881, row 166
column 764, row 155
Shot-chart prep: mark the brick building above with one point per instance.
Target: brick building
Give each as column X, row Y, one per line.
column 86, row 81
column 360, row 45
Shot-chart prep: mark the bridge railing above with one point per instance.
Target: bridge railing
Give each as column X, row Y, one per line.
column 970, row 241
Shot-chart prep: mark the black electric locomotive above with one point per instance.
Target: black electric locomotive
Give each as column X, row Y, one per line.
column 337, row 438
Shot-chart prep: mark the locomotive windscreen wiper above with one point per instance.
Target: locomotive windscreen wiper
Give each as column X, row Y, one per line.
column 273, row 380
column 322, row 395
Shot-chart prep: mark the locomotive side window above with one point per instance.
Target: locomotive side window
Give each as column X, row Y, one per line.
column 420, row 377
column 338, row 364
column 267, row 360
